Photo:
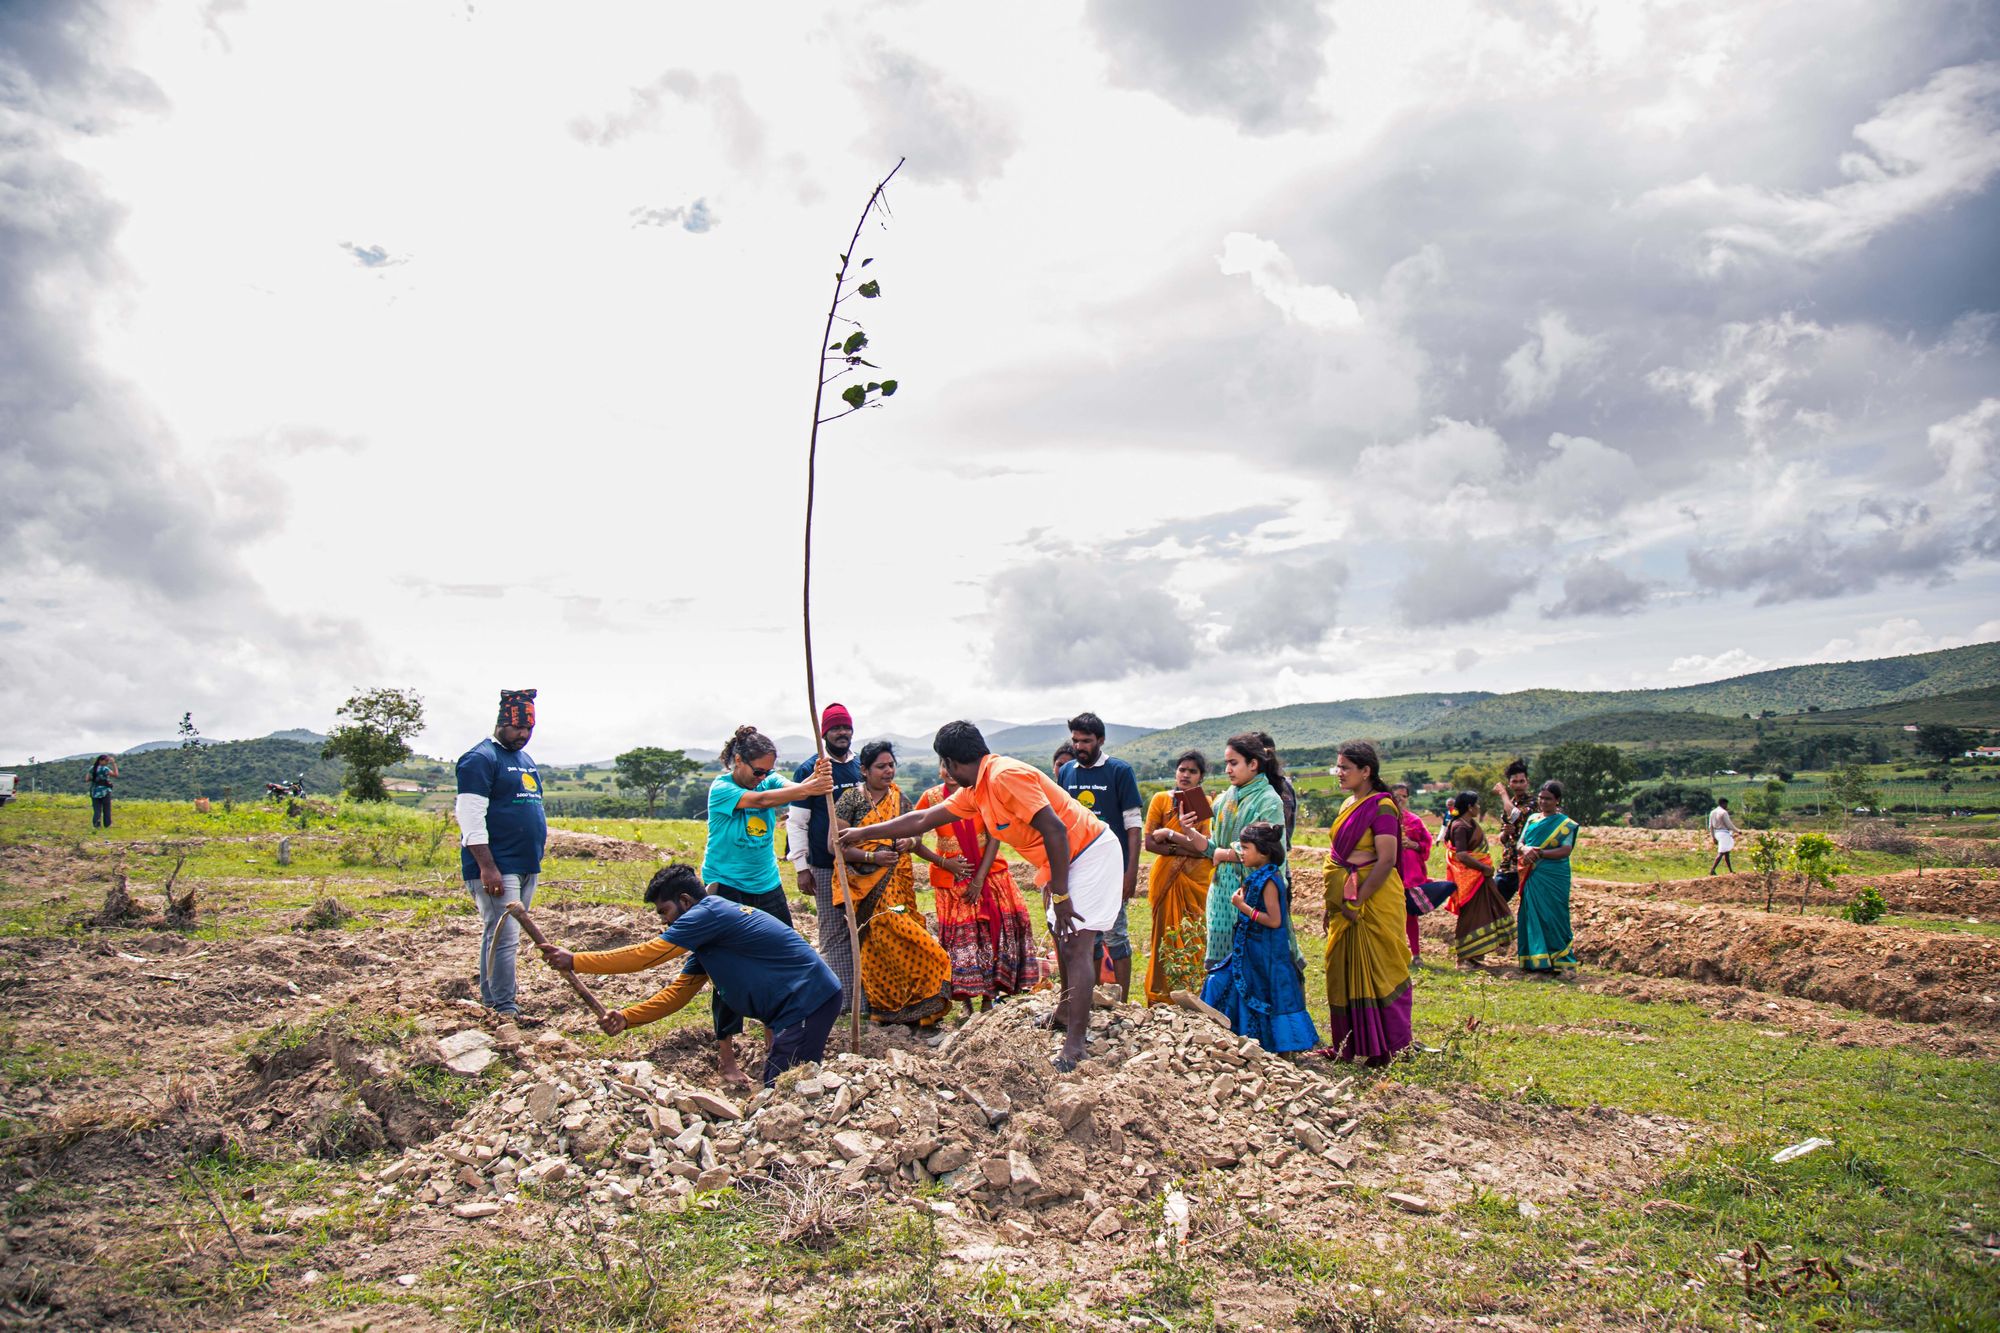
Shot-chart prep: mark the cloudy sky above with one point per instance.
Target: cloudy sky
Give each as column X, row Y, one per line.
column 1249, row 354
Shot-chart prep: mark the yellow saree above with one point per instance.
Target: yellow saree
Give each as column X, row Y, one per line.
column 905, row 972
column 1177, row 891
column 1367, row 960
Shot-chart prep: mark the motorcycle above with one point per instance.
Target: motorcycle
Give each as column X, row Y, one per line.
column 286, row 790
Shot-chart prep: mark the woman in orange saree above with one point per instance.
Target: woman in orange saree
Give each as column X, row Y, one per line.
column 904, row 973
column 983, row 923
column 1177, row 892
column 1484, row 923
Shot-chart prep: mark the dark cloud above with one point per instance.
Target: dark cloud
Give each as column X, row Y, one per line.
column 1254, row 62
column 125, row 546
column 1454, row 588
column 1068, row 621
column 1837, row 553
column 694, row 217
column 1599, row 588
column 1284, row 602
column 915, row 111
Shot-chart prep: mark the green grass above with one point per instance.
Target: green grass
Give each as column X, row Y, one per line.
column 1894, row 1190
column 43, row 1062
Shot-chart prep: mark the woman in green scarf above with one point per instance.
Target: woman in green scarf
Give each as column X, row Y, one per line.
column 1253, row 767
column 1543, row 936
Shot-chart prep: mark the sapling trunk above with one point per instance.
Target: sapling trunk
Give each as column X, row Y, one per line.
column 820, row 380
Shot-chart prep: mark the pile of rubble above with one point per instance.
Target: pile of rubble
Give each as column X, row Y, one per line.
column 1166, row 1092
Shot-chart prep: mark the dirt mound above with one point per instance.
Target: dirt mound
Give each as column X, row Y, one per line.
column 1951, row 892
column 339, row 1097
column 1928, row 976
column 1166, row 1095
column 575, row 846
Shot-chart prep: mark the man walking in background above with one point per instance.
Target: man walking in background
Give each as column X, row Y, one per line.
column 1108, row 789
column 1723, row 829
column 809, row 841
column 502, row 830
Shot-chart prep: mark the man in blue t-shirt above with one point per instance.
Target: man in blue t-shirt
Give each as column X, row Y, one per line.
column 741, row 861
column 759, row 966
column 501, row 832
column 809, row 840
column 1108, row 789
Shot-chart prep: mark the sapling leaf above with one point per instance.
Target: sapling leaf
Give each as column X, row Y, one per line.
column 855, row 342
column 873, row 385
column 870, row 289
column 866, row 262
column 888, row 388
column 853, row 395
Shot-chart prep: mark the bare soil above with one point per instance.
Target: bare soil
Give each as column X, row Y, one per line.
column 1952, row 892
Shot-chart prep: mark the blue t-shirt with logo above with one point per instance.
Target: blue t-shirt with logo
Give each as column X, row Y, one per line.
column 517, row 828
column 846, row 774
column 1107, row 790
column 758, row 965
column 742, row 852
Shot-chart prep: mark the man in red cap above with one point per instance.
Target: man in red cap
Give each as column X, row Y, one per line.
column 809, row 842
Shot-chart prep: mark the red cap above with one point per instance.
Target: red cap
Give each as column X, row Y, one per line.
column 836, row 715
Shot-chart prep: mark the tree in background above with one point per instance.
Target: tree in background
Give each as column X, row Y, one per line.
column 1672, row 800
column 1479, row 778
column 1592, row 776
column 1937, row 741
column 1763, row 807
column 652, row 771
column 374, row 732
column 1320, row 804
column 1848, row 785
column 191, row 753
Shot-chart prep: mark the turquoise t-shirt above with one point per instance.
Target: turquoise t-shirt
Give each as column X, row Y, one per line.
column 742, row 852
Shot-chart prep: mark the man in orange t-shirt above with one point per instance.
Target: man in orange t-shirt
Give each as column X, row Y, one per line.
column 1077, row 862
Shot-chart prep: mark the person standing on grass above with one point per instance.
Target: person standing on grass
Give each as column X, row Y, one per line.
column 1484, row 923
column 740, row 864
column 1252, row 767
column 1517, row 806
column 1723, row 829
column 760, row 967
column 1177, row 889
column 1543, row 935
column 1075, row 857
column 809, row 839
column 103, row 772
column 1421, row 893
column 1108, row 789
column 1368, row 993
column 502, row 830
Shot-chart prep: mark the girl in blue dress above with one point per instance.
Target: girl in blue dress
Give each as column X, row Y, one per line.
column 1258, row 985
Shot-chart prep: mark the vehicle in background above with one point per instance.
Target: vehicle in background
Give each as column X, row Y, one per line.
column 281, row 790
column 6, row 788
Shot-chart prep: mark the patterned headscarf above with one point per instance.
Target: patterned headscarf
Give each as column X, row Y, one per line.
column 517, row 709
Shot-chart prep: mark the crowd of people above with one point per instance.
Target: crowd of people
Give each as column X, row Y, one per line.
column 1220, row 888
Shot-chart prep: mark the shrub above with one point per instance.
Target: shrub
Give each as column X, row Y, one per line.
column 1867, row 907
column 1671, row 800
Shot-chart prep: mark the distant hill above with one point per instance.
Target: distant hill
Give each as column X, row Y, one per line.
column 235, row 768
column 1038, row 740
column 1832, row 687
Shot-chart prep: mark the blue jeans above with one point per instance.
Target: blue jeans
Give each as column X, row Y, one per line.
column 499, row 938
column 801, row 1042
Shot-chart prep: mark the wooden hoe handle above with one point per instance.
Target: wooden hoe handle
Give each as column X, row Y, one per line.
column 520, row 914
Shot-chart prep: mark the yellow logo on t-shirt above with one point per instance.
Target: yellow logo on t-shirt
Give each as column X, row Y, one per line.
column 528, row 782
column 756, row 826
column 1087, row 799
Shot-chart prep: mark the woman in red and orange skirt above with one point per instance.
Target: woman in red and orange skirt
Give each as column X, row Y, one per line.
column 982, row 922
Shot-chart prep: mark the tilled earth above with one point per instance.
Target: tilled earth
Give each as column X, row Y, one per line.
column 292, row 1045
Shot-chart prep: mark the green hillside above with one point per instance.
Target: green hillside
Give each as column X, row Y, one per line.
column 1634, row 724
column 236, row 768
column 1970, row 676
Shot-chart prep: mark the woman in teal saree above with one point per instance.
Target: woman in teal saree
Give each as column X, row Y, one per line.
column 1251, row 764
column 1543, row 936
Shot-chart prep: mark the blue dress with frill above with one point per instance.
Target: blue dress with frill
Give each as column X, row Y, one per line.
column 1258, row 986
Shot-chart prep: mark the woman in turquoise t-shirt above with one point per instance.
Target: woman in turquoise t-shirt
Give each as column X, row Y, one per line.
column 741, row 863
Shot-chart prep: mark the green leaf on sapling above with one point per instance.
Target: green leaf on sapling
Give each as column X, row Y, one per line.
column 866, row 262
column 853, row 395
column 855, row 342
column 870, row 289
column 888, row 388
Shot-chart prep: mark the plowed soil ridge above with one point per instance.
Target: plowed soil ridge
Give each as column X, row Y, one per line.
column 1948, row 892
column 1927, row 976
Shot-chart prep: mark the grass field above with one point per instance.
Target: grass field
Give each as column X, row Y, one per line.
column 1902, row 1210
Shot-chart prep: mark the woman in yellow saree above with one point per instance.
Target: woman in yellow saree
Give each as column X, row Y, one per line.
column 1367, row 951
column 1177, row 891
column 904, row 972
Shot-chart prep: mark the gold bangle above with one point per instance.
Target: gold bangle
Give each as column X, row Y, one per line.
column 1059, row 898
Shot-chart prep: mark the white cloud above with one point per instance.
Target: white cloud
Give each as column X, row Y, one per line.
column 1696, row 667
column 1921, row 151
column 1272, row 274
column 1532, row 372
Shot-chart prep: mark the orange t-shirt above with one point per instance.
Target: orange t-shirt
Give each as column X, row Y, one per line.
column 1007, row 797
